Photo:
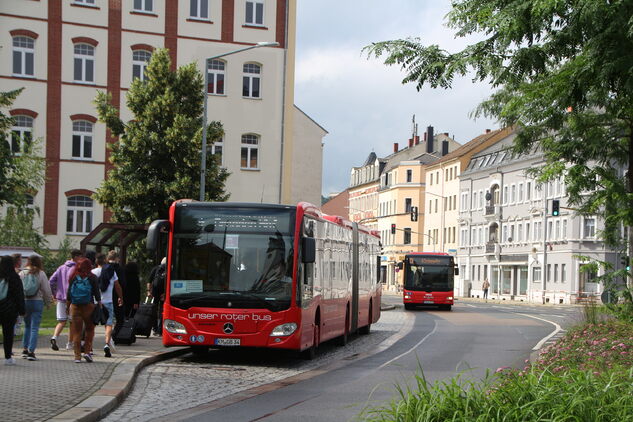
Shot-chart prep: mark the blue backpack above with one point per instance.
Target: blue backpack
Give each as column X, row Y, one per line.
column 81, row 291
column 31, row 285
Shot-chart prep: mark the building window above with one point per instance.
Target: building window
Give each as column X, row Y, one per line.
column 216, row 150
column 409, row 176
column 407, row 205
column 528, row 191
column 140, row 59
column 563, row 273
column 251, row 80
column 21, row 134
column 215, row 70
column 555, row 273
column 536, row 274
column 250, row 145
column 589, row 227
column 513, row 197
column 85, row 2
column 144, row 5
column 82, row 139
column 84, row 63
column 565, row 229
column 407, row 236
column 255, row 12
column 23, row 56
column 79, row 215
column 520, row 192
column 199, row 9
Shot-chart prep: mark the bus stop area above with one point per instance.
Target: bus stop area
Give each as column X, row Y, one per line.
column 55, row 388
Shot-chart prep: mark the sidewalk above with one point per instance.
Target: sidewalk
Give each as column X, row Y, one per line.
column 54, row 387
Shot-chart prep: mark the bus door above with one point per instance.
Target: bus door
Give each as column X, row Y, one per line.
column 309, row 269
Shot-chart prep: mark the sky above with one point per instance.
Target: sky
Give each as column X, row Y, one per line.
column 361, row 102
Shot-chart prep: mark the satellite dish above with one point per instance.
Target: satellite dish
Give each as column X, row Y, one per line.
column 609, row 297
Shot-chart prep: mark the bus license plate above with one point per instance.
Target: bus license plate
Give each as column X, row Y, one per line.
column 426, row 302
column 227, row 341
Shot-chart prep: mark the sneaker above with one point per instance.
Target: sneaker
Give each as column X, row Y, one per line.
column 106, row 350
column 70, row 345
column 111, row 345
column 54, row 345
column 31, row 356
column 77, row 360
column 9, row 361
column 88, row 358
column 25, row 353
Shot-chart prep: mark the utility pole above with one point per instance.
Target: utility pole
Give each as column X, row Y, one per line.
column 544, row 272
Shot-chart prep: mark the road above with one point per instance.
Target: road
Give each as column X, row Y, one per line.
column 243, row 385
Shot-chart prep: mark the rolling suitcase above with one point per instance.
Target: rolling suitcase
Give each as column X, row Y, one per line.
column 125, row 334
column 145, row 318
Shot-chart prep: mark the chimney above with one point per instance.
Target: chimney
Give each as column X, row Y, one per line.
column 429, row 140
column 444, row 147
column 395, row 147
column 417, row 139
column 487, row 130
column 410, row 142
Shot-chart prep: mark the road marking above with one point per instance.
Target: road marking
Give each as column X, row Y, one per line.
column 472, row 306
column 547, row 337
column 411, row 349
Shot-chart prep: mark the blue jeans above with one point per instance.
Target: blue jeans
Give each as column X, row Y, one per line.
column 32, row 320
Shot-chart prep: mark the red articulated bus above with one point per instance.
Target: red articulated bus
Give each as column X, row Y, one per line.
column 265, row 275
column 428, row 280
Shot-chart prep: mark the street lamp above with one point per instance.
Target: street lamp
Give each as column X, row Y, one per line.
column 203, row 159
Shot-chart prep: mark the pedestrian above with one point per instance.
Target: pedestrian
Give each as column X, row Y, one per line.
column 59, row 286
column 83, row 292
column 119, row 311
column 485, row 286
column 37, row 292
column 17, row 261
column 132, row 291
column 91, row 255
column 11, row 304
column 108, row 282
column 156, row 290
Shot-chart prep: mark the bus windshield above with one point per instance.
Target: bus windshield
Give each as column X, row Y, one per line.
column 232, row 257
column 429, row 275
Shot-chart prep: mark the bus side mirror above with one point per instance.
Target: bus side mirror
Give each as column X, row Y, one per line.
column 308, row 249
column 153, row 233
column 456, row 270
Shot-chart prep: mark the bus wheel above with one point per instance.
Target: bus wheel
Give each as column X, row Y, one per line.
column 367, row 328
column 447, row 307
column 408, row 306
column 342, row 340
column 199, row 351
column 311, row 353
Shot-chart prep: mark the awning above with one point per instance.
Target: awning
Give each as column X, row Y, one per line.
column 114, row 235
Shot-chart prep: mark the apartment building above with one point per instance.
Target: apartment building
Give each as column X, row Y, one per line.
column 63, row 51
column 363, row 192
column 508, row 235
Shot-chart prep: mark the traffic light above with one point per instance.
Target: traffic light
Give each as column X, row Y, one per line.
column 393, row 229
column 555, row 207
column 414, row 213
column 626, row 262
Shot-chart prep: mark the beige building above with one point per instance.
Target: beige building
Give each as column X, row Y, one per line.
column 63, row 52
column 442, row 195
column 363, row 192
column 402, row 186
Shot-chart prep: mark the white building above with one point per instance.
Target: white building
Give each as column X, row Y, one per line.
column 62, row 52
column 508, row 235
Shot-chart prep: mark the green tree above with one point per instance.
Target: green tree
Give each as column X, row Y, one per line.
column 157, row 159
column 20, row 174
column 562, row 73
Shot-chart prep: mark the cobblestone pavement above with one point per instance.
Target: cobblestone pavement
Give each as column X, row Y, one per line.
column 39, row 390
column 189, row 381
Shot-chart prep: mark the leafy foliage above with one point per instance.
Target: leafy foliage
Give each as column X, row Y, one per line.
column 562, row 70
column 19, row 174
column 158, row 157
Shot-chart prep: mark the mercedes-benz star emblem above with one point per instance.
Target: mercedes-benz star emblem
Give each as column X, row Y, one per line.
column 228, row 328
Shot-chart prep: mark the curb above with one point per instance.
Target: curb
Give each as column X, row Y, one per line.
column 387, row 307
column 115, row 389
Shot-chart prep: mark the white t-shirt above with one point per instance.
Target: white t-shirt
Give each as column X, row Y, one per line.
column 106, row 297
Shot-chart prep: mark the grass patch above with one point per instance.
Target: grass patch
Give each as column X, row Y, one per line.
column 585, row 376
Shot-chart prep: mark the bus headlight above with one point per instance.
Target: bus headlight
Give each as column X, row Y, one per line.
column 174, row 327
column 407, row 296
column 284, row 330
column 449, row 298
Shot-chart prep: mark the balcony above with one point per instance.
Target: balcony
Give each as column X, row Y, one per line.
column 493, row 249
column 492, row 212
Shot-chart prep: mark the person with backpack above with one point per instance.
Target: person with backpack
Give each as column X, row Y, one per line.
column 37, row 292
column 156, row 290
column 119, row 311
column 108, row 282
column 11, row 304
column 83, row 292
column 59, row 287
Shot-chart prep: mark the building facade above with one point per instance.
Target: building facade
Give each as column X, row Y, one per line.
column 63, row 52
column 508, row 235
column 363, row 192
